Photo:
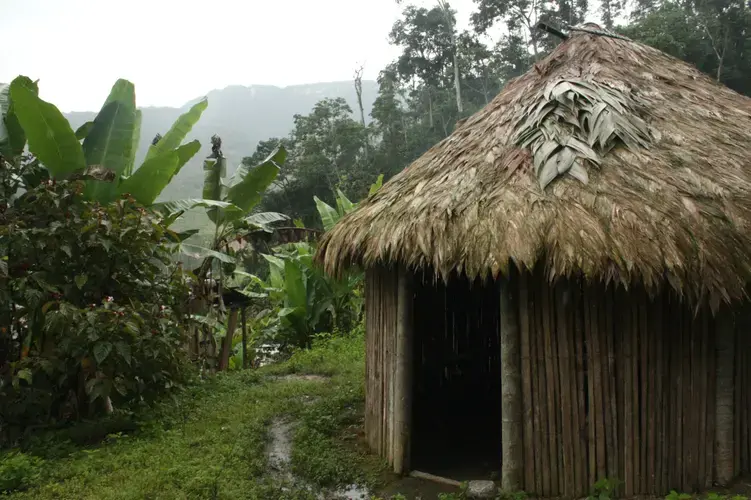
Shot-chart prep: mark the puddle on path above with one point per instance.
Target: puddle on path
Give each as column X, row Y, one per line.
column 279, row 453
column 297, row 376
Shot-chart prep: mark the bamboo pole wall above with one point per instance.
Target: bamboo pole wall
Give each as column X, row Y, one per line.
column 618, row 385
column 381, row 285
column 614, row 384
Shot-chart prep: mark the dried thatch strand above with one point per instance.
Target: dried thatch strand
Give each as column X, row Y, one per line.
column 667, row 198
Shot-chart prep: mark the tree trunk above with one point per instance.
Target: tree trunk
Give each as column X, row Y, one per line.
column 511, row 409
column 457, row 83
column 227, row 341
column 725, row 339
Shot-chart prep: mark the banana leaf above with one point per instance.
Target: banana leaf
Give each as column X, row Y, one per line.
column 49, row 134
column 179, row 130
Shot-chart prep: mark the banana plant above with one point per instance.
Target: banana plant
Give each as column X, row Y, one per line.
column 107, row 144
column 230, row 204
column 330, row 215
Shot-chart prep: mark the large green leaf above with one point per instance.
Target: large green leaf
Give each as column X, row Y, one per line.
column 151, row 178
column 294, row 284
column 50, row 136
column 83, row 130
column 169, row 207
column 12, row 136
column 180, row 129
column 136, row 139
column 376, row 185
column 329, row 215
column 185, row 153
column 248, row 184
column 4, row 107
column 110, row 141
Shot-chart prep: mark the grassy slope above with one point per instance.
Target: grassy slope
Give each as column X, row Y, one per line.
column 210, row 442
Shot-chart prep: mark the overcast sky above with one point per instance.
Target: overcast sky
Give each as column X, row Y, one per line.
column 175, row 50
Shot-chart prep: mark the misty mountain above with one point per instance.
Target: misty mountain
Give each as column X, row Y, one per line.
column 241, row 116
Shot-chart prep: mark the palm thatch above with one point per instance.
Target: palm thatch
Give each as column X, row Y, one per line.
column 608, row 159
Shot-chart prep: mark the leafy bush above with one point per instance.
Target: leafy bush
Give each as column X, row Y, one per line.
column 93, row 307
column 18, row 471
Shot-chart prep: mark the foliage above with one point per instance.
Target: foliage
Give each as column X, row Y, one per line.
column 303, row 299
column 227, row 418
column 19, row 471
column 92, row 303
column 109, row 143
column 604, row 489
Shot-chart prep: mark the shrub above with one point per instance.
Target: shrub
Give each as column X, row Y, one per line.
column 93, row 306
column 18, row 471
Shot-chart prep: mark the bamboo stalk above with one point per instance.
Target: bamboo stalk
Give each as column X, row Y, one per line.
column 511, row 409
column 644, row 407
column 599, row 406
column 710, row 402
column 581, row 388
column 538, row 384
column 652, row 417
column 403, row 385
column 612, row 395
column 628, row 404
column 528, row 415
column 564, row 355
column 591, row 411
column 550, row 377
column 573, row 383
column 542, row 403
column 554, row 341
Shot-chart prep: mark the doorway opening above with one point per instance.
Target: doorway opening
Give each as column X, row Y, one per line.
column 456, row 412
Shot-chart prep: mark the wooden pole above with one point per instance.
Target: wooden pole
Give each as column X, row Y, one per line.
column 227, row 342
column 725, row 340
column 511, row 409
column 404, row 366
column 245, row 338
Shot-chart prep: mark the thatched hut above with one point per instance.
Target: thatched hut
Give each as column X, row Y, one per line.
column 558, row 285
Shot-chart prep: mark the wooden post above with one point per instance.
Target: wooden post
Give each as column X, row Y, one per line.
column 227, row 341
column 724, row 411
column 511, row 408
column 403, row 379
column 245, row 338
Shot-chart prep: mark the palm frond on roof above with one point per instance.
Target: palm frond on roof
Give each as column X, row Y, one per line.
column 666, row 197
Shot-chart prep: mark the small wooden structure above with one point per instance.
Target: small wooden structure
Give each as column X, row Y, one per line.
column 558, row 288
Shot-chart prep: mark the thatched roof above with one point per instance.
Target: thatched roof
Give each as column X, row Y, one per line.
column 609, row 159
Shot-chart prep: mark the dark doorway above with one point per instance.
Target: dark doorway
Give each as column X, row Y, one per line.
column 456, row 426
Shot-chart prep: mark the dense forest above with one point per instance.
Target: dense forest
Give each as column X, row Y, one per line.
column 444, row 75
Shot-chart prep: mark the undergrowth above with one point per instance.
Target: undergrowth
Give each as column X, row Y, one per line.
column 209, row 441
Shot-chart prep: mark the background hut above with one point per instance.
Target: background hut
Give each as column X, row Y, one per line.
column 556, row 287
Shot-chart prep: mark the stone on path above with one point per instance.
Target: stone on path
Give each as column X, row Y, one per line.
column 481, row 489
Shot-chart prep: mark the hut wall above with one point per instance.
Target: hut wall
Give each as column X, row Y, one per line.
column 381, row 321
column 613, row 384
column 617, row 385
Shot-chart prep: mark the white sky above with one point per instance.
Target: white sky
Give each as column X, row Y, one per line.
column 176, row 50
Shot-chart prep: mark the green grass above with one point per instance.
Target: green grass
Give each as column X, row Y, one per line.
column 210, row 442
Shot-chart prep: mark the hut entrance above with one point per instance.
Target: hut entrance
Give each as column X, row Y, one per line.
column 456, row 420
